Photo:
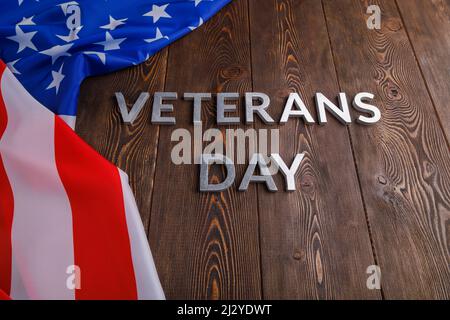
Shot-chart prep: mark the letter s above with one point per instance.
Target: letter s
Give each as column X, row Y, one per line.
column 361, row 106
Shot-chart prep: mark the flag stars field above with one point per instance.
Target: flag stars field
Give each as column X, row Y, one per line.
column 24, row 39
column 110, row 43
column 72, row 36
column 58, row 51
column 26, row 22
column 102, row 34
column 58, row 77
column 157, row 37
column 114, row 23
column 158, row 12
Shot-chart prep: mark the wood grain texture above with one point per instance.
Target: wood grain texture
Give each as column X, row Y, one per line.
column 131, row 148
column 403, row 161
column 428, row 26
column 205, row 244
column 314, row 241
column 377, row 194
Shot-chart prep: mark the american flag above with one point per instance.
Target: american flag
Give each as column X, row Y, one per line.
column 69, row 224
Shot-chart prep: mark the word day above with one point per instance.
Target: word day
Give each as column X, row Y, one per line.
column 237, row 141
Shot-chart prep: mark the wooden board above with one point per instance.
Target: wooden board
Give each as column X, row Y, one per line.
column 205, row 245
column 314, row 242
column 403, row 162
column 428, row 26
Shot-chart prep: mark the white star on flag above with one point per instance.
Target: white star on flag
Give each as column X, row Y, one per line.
column 110, row 43
column 26, row 22
column 23, row 39
column 57, row 78
column 158, row 36
column 58, row 51
column 114, row 23
column 11, row 66
column 197, row 2
column 158, row 12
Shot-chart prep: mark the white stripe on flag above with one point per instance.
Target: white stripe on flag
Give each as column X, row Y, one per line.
column 147, row 281
column 42, row 241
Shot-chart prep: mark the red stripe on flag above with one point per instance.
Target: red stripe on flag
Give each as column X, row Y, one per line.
column 102, row 248
column 6, row 208
column 4, row 296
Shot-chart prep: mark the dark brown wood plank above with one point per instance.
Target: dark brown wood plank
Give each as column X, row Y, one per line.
column 131, row 148
column 428, row 26
column 205, row 244
column 403, row 161
column 314, row 241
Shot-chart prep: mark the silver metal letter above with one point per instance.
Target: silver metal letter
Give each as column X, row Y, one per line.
column 361, row 106
column 198, row 98
column 129, row 117
column 288, row 173
column 222, row 108
column 323, row 104
column 159, row 107
column 206, row 160
column 302, row 111
column 265, row 177
column 260, row 109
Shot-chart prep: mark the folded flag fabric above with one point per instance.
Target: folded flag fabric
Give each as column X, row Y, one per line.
column 64, row 211
column 3, row 295
column 69, row 224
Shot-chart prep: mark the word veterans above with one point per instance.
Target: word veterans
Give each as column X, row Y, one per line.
column 255, row 104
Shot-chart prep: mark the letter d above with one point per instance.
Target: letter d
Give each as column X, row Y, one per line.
column 206, row 160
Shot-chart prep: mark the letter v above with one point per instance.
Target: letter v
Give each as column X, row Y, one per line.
column 129, row 117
